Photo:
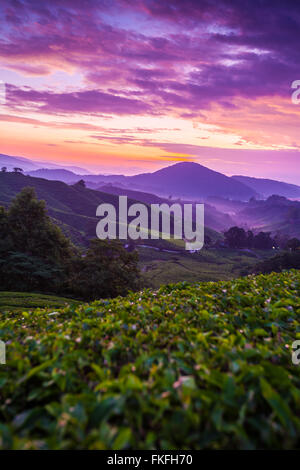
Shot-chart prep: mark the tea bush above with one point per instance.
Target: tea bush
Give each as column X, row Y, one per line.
column 202, row 366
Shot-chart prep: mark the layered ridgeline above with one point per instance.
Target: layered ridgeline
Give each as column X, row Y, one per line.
column 204, row 366
column 73, row 207
column 10, row 162
column 186, row 179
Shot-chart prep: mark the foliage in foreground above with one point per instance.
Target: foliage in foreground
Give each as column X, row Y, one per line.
column 185, row 367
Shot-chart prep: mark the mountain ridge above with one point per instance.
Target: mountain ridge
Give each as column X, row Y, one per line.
column 267, row 187
column 185, row 179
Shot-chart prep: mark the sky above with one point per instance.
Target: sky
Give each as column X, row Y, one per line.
column 119, row 86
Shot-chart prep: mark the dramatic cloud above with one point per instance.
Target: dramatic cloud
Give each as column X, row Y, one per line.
column 225, row 63
column 214, row 48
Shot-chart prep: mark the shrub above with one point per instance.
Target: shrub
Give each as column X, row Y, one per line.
column 107, row 270
column 278, row 263
column 204, row 366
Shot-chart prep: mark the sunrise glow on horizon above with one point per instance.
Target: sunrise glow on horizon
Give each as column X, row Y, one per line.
column 128, row 87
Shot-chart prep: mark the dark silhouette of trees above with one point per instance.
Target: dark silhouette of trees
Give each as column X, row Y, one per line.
column 250, row 239
column 293, row 244
column 278, row 263
column 36, row 255
column 107, row 270
column 33, row 250
column 80, row 183
column 237, row 237
column 32, row 231
column 263, row 241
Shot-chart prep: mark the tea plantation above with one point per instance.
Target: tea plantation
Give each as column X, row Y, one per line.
column 189, row 366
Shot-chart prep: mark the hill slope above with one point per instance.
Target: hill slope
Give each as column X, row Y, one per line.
column 204, row 366
column 72, row 207
column 31, row 165
column 267, row 187
column 66, row 176
column 276, row 214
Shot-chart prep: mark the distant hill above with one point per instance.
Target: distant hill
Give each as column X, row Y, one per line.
column 147, row 198
column 66, row 176
column 186, row 180
column 11, row 162
column 191, row 180
column 30, row 165
column 276, row 214
column 267, row 187
column 69, row 177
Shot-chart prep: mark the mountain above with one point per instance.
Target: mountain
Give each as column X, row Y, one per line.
column 11, row 162
column 147, row 198
column 68, row 177
column 186, row 180
column 267, row 187
column 30, row 165
column 191, row 181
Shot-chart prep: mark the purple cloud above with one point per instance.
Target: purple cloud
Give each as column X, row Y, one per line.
column 148, row 56
column 92, row 101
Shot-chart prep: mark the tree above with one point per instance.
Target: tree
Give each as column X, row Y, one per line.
column 5, row 239
column 250, row 239
column 263, row 241
column 4, row 169
column 293, row 244
column 18, row 170
column 280, row 240
column 236, row 237
column 80, row 184
column 22, row 272
column 207, row 240
column 31, row 230
column 34, row 254
column 107, row 270
column 277, row 263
